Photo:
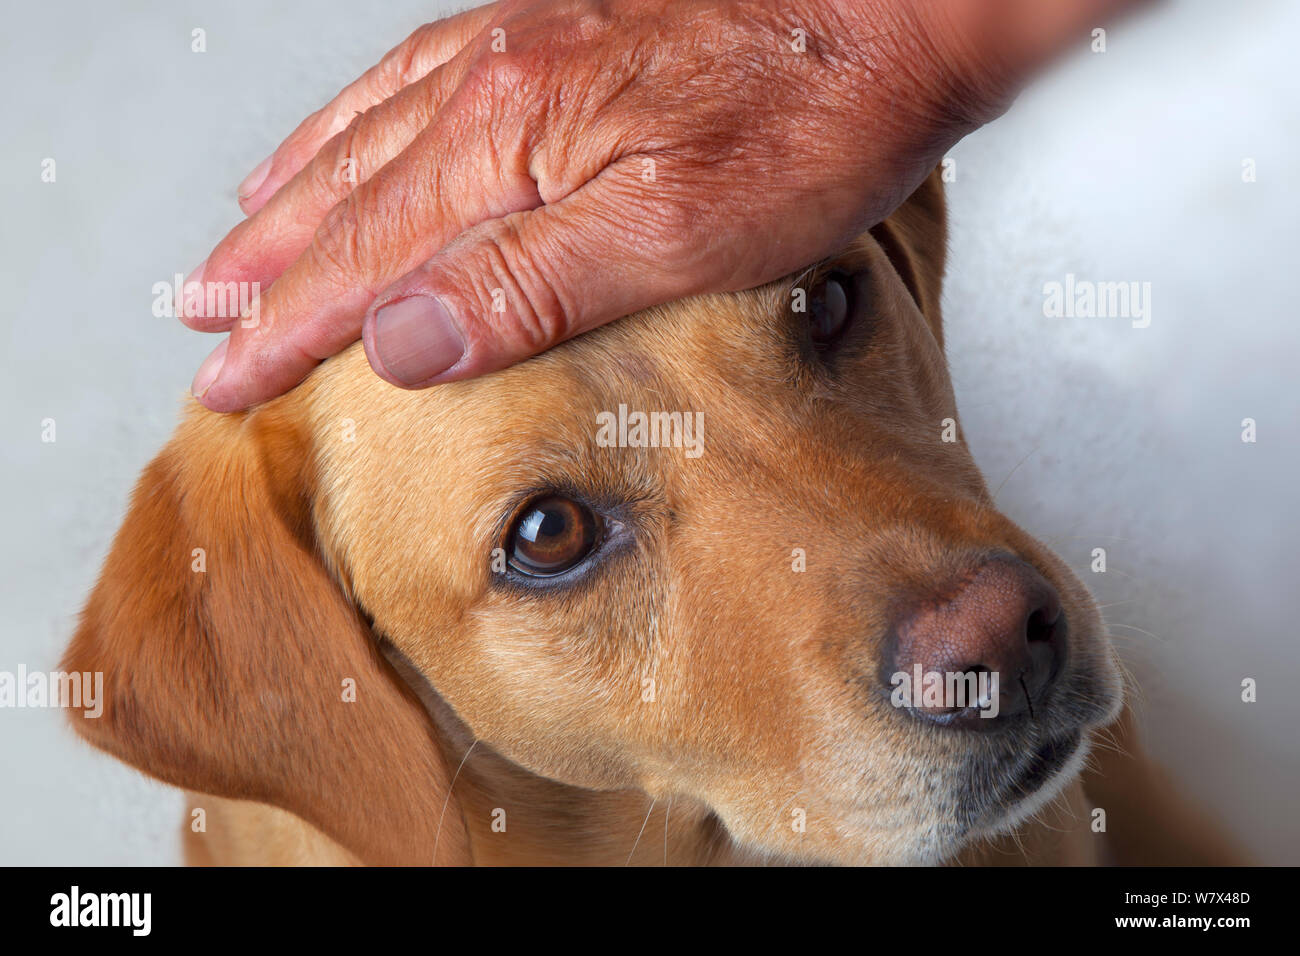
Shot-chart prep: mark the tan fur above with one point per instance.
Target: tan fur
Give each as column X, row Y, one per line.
column 349, row 518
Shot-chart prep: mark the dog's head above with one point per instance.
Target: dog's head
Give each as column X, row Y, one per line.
column 698, row 553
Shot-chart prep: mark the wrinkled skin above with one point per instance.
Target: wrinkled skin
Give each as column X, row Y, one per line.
column 543, row 168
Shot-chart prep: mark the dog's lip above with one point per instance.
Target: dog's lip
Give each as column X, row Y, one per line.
column 990, row 811
column 1046, row 762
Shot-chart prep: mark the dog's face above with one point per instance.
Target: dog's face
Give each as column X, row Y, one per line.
column 717, row 619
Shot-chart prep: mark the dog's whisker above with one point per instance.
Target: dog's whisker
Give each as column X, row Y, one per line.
column 644, row 822
column 1016, row 468
column 1125, row 575
column 1140, row 630
column 1105, row 741
column 450, row 788
column 1018, row 840
column 667, row 812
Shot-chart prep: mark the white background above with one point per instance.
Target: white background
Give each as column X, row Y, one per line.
column 1120, row 166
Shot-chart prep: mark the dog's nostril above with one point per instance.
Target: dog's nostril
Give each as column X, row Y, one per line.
column 1041, row 626
column 995, row 647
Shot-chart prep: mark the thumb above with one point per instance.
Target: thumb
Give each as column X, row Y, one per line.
column 512, row 287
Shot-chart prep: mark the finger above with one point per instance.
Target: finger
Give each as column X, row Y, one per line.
column 259, row 249
column 513, row 287
column 435, row 189
column 414, row 58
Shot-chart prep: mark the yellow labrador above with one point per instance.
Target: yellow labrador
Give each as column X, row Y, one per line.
column 650, row 597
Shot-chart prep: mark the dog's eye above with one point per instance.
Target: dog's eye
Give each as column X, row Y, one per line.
column 552, row 535
column 829, row 308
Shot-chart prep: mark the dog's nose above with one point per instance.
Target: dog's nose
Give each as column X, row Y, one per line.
column 993, row 647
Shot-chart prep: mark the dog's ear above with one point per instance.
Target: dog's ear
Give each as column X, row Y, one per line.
column 235, row 665
column 915, row 238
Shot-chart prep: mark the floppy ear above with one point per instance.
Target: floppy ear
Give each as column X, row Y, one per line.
column 915, row 237
column 225, row 668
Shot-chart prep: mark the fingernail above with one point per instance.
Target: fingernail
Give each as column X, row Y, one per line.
column 416, row 339
column 195, row 276
column 210, row 369
column 255, row 179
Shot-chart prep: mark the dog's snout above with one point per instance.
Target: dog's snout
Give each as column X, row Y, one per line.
column 983, row 654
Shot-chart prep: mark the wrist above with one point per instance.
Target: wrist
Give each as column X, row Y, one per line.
column 981, row 53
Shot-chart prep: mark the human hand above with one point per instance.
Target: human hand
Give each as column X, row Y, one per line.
column 523, row 172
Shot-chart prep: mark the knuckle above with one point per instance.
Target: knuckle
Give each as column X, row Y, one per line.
column 391, row 73
column 337, row 167
column 326, row 123
column 337, row 245
column 579, row 23
column 314, row 129
column 499, row 75
column 406, row 63
column 520, row 302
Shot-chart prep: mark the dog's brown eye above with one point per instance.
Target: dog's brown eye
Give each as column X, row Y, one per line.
column 552, row 535
column 828, row 308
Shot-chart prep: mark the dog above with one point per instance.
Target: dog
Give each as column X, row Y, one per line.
column 503, row 622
